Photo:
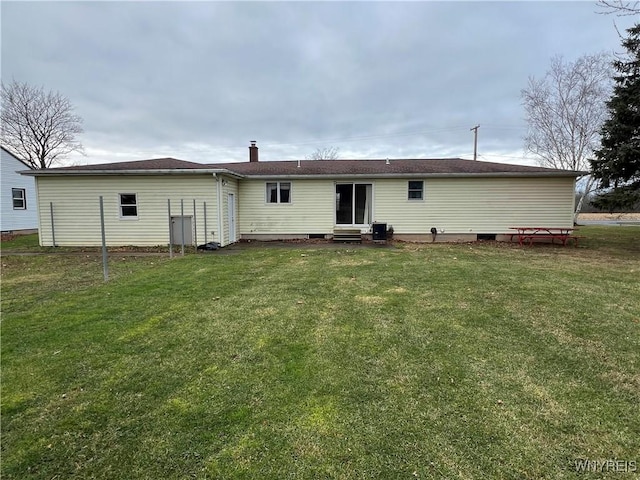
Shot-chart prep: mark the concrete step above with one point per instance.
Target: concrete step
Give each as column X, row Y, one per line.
column 351, row 235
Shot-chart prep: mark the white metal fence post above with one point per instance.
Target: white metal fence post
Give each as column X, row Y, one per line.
column 105, row 260
column 182, row 222
column 205, row 221
column 170, row 228
column 195, row 226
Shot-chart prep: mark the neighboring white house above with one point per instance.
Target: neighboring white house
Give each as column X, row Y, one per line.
column 146, row 202
column 18, row 204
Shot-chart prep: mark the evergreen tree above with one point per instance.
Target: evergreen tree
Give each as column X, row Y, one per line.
column 617, row 162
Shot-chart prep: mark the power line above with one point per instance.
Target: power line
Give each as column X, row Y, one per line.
column 505, row 156
column 348, row 139
column 504, row 127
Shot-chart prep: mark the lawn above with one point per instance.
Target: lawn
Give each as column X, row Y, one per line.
column 414, row 361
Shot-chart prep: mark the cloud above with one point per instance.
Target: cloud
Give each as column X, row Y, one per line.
column 198, row 80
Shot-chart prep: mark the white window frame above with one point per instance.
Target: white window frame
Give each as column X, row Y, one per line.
column 370, row 215
column 121, row 215
column 22, row 198
column 421, row 190
column 278, row 193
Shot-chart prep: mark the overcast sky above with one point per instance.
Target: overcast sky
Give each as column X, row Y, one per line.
column 199, row 80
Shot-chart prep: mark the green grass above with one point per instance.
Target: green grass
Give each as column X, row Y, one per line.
column 21, row 242
column 30, row 244
column 421, row 361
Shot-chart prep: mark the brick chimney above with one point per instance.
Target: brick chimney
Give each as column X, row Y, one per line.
column 253, row 152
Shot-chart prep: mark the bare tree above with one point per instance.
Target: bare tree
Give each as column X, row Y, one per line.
column 619, row 7
column 326, row 153
column 37, row 126
column 565, row 111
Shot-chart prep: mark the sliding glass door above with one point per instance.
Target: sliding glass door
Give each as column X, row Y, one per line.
column 353, row 203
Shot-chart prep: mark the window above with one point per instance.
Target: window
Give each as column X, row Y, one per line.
column 19, row 196
column 278, row 192
column 416, row 189
column 354, row 203
column 128, row 205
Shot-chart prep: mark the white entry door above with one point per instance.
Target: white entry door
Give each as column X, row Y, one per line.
column 231, row 216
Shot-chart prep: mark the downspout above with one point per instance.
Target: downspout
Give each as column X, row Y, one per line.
column 578, row 206
column 219, row 208
column 39, row 210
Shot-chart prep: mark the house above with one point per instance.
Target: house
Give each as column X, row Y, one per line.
column 19, row 209
column 151, row 202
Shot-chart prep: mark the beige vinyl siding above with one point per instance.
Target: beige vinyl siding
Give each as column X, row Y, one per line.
column 457, row 205
column 77, row 211
column 475, row 205
column 312, row 208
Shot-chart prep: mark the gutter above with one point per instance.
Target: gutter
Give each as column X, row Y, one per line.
column 230, row 173
column 568, row 173
column 176, row 171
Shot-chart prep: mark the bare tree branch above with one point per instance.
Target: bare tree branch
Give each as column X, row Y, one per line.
column 37, row 126
column 565, row 111
column 326, row 153
column 620, row 8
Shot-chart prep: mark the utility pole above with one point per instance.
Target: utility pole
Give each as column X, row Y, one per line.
column 475, row 141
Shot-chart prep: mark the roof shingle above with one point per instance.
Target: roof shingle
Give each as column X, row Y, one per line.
column 392, row 167
column 379, row 167
column 153, row 164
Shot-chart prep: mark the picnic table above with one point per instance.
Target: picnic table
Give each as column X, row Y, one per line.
column 563, row 234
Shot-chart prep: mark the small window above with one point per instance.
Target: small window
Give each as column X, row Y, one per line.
column 128, row 205
column 278, row 192
column 416, row 189
column 19, row 196
column 272, row 193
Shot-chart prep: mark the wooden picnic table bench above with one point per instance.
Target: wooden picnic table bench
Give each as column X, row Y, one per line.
column 563, row 234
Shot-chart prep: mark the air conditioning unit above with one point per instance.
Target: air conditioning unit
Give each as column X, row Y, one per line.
column 379, row 232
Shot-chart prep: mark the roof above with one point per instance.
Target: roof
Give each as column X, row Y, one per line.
column 313, row 168
column 392, row 167
column 153, row 164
